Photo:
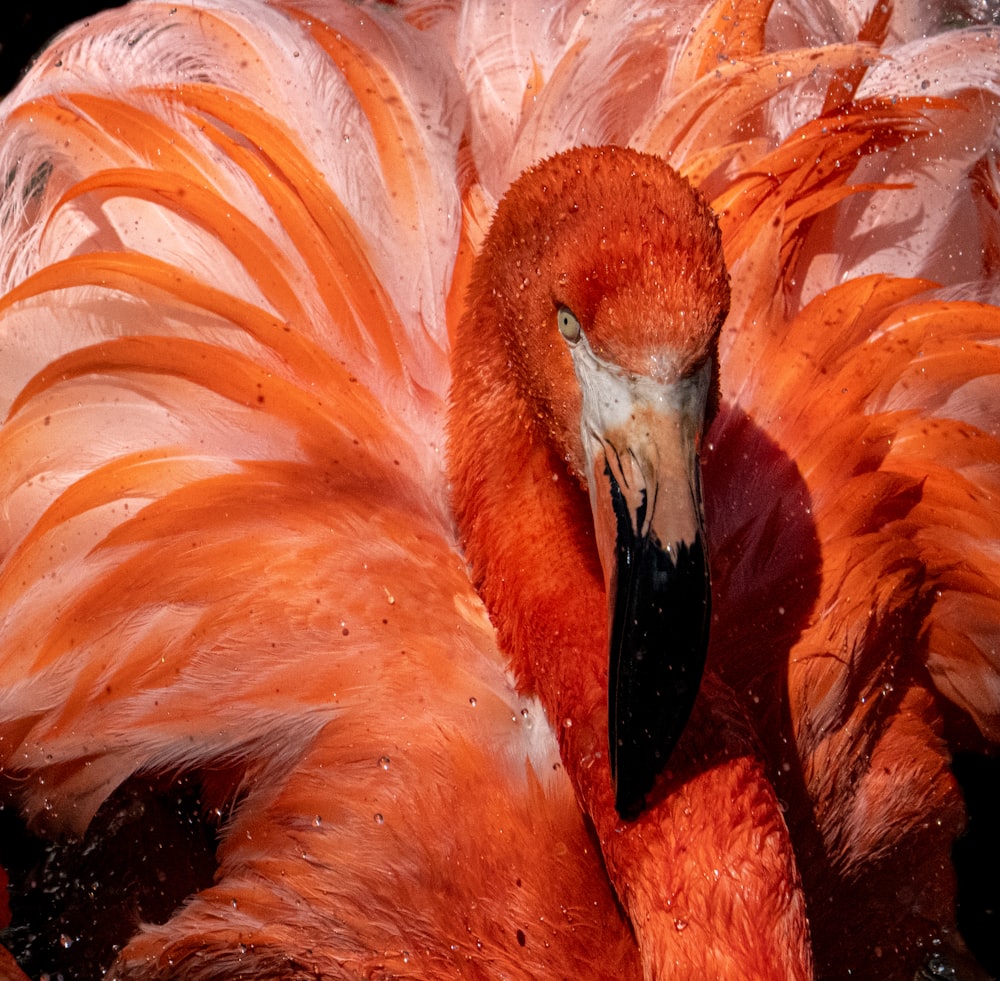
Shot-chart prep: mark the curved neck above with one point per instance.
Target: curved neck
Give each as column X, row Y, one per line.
column 713, row 840
column 525, row 526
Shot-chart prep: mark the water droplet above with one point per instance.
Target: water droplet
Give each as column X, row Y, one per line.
column 379, row 819
column 472, row 701
column 680, row 925
column 65, row 940
column 383, row 761
column 317, row 821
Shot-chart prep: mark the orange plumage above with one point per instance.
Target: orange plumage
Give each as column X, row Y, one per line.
column 239, row 281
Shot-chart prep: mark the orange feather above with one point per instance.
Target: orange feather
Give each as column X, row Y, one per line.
column 251, row 555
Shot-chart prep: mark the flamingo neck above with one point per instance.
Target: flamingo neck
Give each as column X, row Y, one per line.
column 524, row 524
column 706, row 873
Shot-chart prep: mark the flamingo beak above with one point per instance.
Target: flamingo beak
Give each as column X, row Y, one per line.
column 641, row 443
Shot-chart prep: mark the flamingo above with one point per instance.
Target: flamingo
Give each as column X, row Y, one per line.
column 365, row 376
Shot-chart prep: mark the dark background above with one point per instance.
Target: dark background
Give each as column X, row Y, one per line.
column 26, row 27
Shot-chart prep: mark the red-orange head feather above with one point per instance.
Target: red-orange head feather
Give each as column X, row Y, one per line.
column 625, row 243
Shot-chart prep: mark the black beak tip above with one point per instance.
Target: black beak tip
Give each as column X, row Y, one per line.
column 637, row 764
column 659, row 640
column 630, row 794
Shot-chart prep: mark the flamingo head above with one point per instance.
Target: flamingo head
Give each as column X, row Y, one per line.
column 603, row 271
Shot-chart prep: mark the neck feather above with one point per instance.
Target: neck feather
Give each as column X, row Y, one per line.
column 524, row 523
column 715, row 822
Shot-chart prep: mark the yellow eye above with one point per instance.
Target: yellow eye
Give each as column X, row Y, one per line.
column 569, row 326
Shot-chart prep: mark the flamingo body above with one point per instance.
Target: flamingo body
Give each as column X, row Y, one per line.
column 298, row 506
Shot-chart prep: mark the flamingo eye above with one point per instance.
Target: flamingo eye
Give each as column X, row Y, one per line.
column 569, row 326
